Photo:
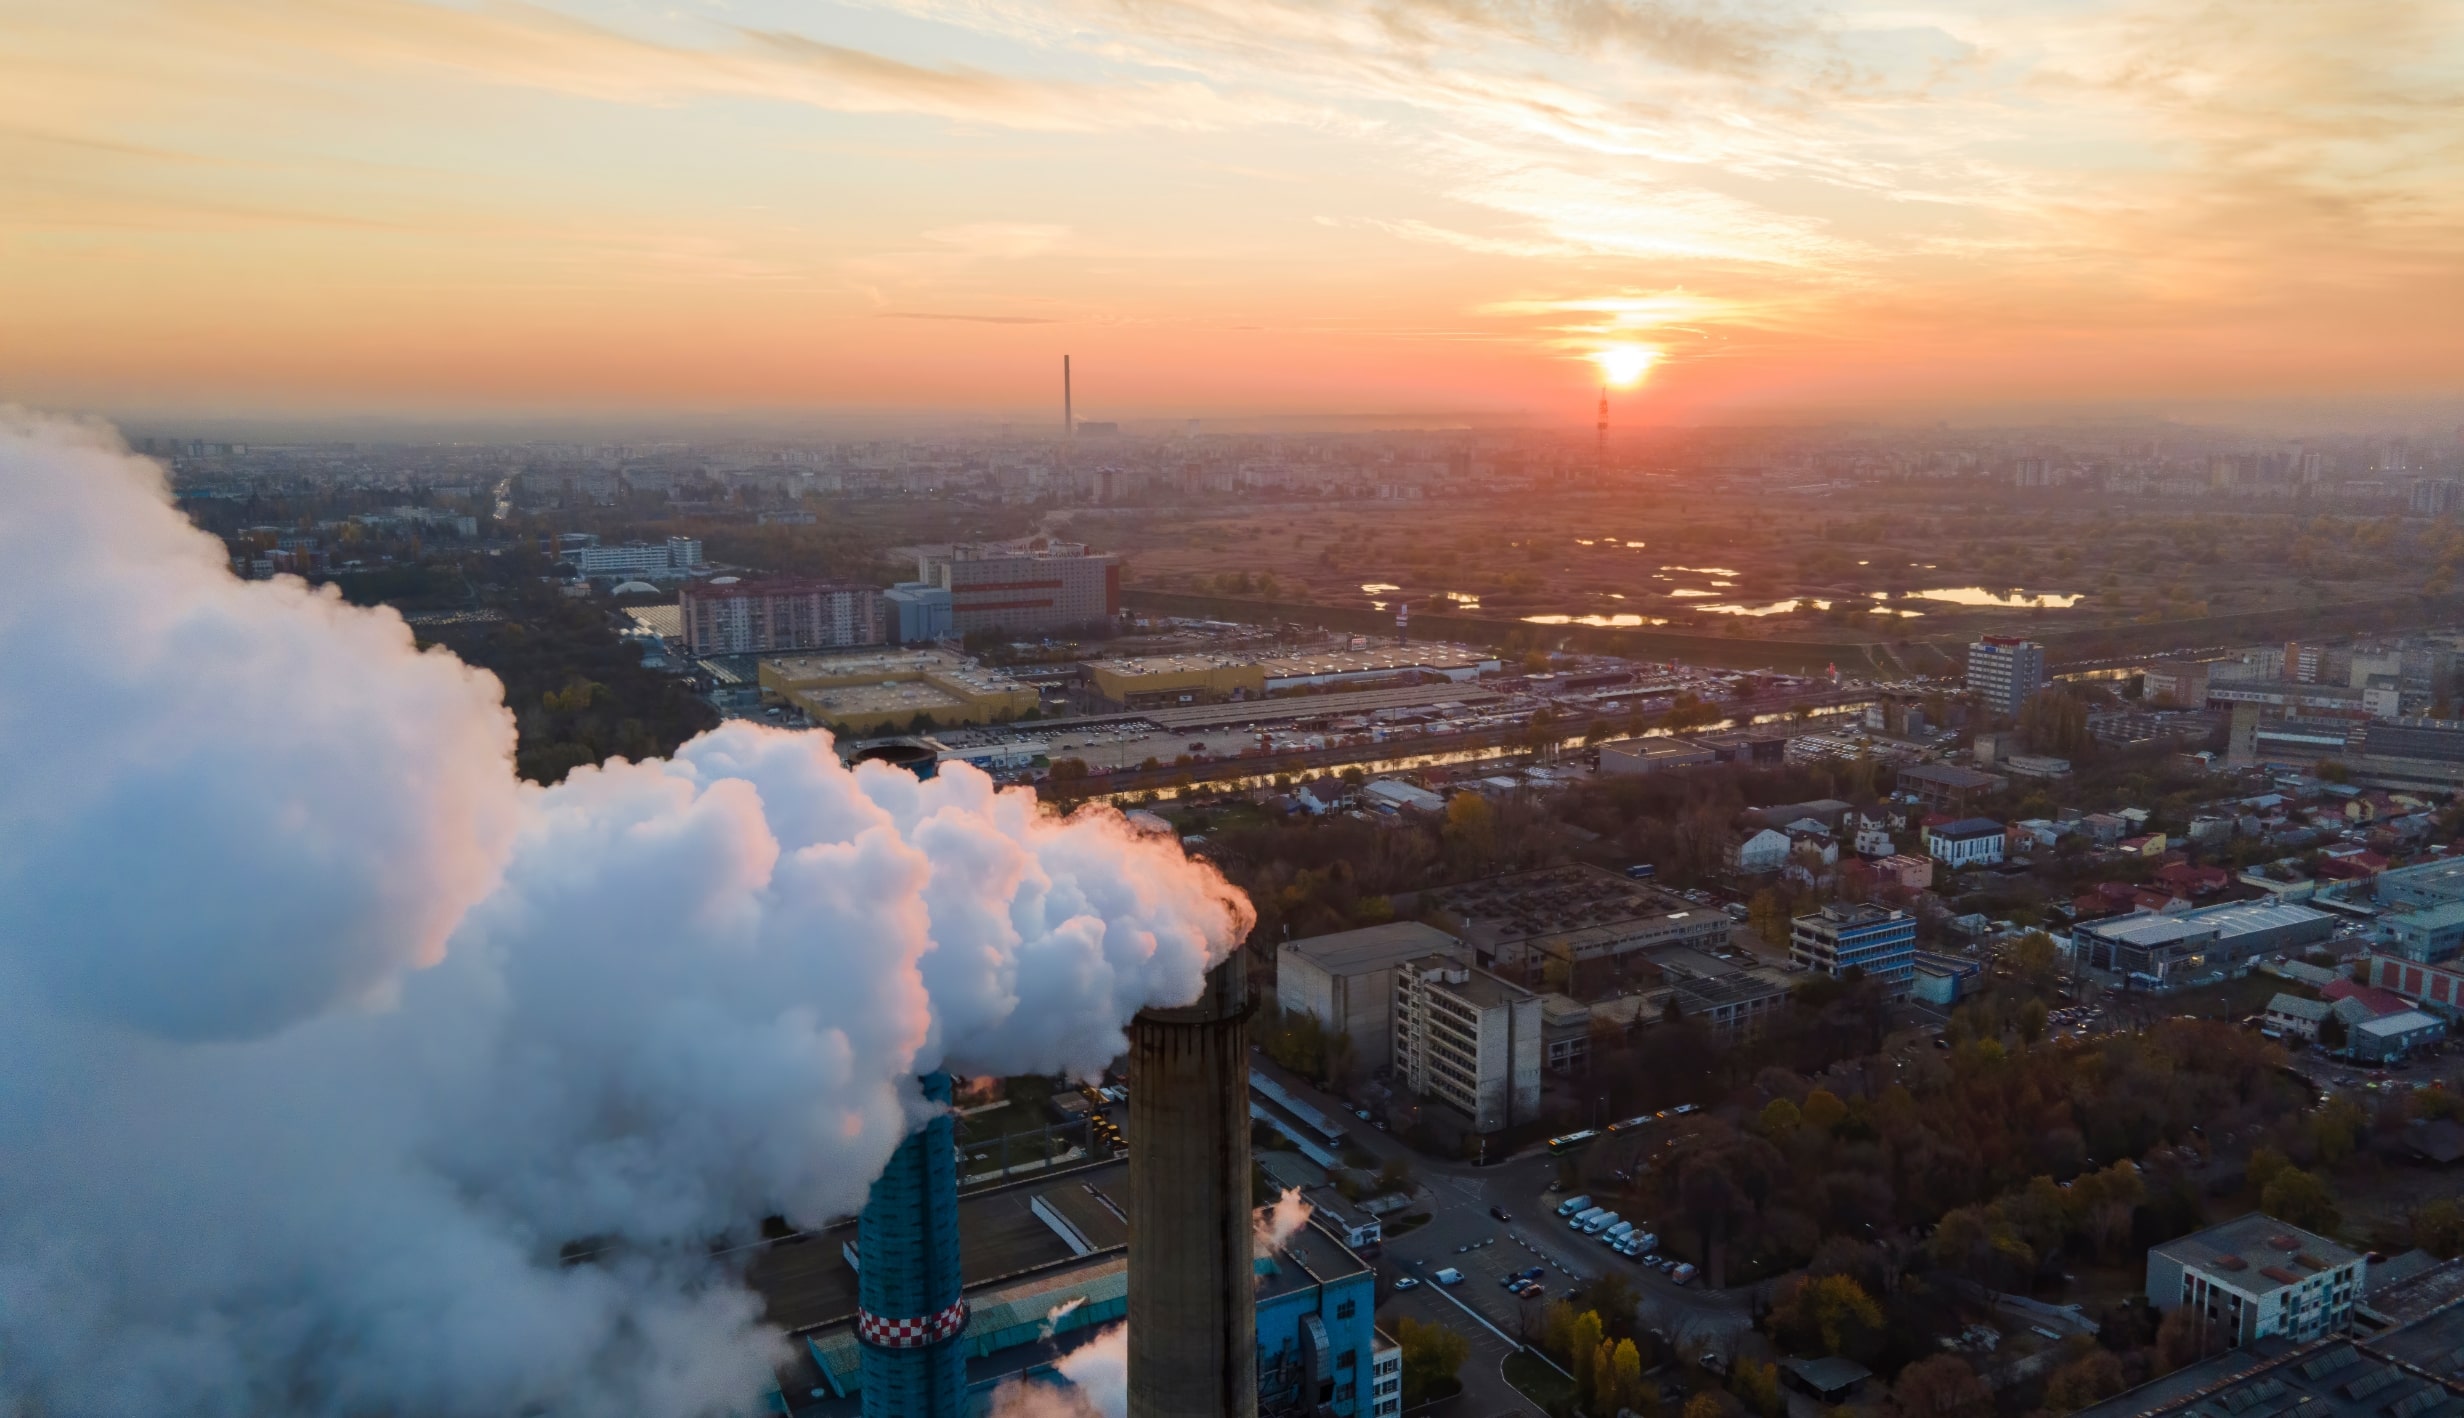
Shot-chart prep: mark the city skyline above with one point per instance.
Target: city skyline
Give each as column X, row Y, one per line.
column 333, row 206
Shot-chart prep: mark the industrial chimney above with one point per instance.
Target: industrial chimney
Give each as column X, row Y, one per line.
column 909, row 1312
column 1192, row 1298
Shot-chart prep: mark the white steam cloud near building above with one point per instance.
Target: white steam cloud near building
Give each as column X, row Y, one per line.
column 322, row 1035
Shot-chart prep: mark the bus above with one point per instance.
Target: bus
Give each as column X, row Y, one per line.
column 1630, row 1124
column 1570, row 1141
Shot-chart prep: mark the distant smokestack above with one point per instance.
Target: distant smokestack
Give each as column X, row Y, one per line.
column 1192, row 1296
column 1069, row 424
column 909, row 1312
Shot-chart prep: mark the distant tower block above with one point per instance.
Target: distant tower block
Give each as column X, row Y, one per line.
column 909, row 1313
column 1069, row 421
column 1599, row 452
column 1193, row 1336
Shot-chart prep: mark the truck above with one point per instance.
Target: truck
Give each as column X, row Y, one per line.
column 1573, row 1205
column 1600, row 1223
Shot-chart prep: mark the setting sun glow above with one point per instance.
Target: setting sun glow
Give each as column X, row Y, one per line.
column 1625, row 365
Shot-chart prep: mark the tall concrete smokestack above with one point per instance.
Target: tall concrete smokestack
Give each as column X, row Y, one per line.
column 909, row 1312
column 1193, row 1334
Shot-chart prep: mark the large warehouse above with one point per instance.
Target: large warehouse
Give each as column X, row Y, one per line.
column 2163, row 951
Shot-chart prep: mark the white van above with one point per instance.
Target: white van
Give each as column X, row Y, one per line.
column 1574, row 1205
column 1618, row 1232
column 1449, row 1276
column 1599, row 1223
column 1585, row 1218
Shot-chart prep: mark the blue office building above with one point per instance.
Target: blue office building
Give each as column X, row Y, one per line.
column 1841, row 937
column 910, row 1310
column 1319, row 1351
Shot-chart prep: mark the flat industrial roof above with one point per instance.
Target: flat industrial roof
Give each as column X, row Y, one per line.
column 1372, row 947
column 2257, row 1253
column 806, row 1283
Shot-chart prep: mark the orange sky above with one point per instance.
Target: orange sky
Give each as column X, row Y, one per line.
column 1222, row 207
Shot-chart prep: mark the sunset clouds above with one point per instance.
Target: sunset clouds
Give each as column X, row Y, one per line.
column 1225, row 206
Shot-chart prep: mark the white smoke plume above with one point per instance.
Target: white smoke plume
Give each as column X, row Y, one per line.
column 1058, row 1313
column 1273, row 1226
column 1093, row 1382
column 320, row 1033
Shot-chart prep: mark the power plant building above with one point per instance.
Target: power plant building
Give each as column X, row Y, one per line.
column 1024, row 590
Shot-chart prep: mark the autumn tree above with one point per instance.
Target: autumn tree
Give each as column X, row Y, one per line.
column 1942, row 1386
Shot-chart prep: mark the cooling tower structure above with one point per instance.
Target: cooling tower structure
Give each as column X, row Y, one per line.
column 1192, row 1296
column 909, row 1312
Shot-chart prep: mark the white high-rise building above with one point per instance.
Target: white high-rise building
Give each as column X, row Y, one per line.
column 2006, row 672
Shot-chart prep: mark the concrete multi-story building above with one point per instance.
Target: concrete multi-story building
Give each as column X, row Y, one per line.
column 2180, row 684
column 1469, row 1040
column 727, row 616
column 2005, row 671
column 1024, row 590
column 913, row 613
column 1842, row 937
column 653, row 561
column 1346, row 981
column 2255, row 1277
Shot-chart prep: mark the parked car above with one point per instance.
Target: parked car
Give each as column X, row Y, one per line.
column 1405, row 1282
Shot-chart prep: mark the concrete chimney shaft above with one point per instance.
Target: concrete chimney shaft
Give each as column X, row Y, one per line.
column 1192, row 1293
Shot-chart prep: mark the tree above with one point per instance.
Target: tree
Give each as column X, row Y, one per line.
column 1941, row 1387
column 1583, row 1346
column 1626, row 1384
column 2184, row 1339
column 1823, row 1110
column 2089, row 1379
column 2438, row 1227
column 2036, row 959
column 2300, row 1198
column 1779, row 1118
column 1757, row 1385
column 1432, row 1356
column 1829, row 1312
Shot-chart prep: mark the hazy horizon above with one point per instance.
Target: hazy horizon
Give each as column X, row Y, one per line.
column 1279, row 210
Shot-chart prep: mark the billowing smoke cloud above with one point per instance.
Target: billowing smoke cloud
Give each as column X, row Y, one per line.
column 322, row 1034
column 1092, row 1382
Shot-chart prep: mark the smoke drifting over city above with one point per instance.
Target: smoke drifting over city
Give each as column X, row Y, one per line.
column 325, row 1035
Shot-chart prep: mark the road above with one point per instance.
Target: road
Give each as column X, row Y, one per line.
column 1462, row 1233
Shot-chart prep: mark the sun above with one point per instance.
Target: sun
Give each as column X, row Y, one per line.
column 1625, row 365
